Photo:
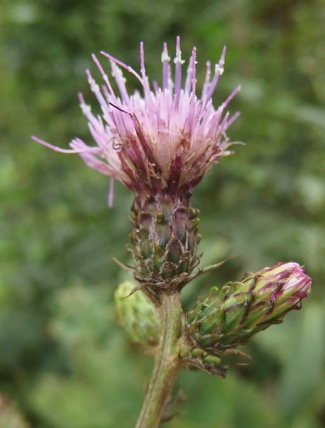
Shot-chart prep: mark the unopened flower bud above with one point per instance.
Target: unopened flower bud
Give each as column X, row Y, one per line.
column 231, row 315
column 137, row 314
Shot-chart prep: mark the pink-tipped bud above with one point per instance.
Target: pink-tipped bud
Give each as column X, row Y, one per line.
column 233, row 314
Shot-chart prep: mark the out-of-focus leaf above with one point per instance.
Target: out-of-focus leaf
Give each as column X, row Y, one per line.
column 302, row 374
column 10, row 416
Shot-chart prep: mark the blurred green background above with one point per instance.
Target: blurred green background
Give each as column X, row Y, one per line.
column 64, row 361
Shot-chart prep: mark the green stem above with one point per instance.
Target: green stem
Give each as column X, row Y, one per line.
column 167, row 362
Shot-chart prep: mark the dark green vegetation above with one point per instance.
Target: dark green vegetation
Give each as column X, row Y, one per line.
column 64, row 362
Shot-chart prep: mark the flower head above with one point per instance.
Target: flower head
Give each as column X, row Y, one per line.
column 163, row 140
column 233, row 314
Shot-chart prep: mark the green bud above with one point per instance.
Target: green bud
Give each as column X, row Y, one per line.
column 164, row 242
column 233, row 314
column 137, row 314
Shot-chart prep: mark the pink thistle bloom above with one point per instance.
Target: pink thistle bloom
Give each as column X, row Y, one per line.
column 163, row 140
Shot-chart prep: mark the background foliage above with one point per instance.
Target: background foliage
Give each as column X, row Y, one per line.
column 64, row 362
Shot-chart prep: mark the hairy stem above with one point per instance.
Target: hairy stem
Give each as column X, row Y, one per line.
column 167, row 362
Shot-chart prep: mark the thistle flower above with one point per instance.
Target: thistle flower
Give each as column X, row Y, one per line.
column 163, row 140
column 233, row 314
column 159, row 145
